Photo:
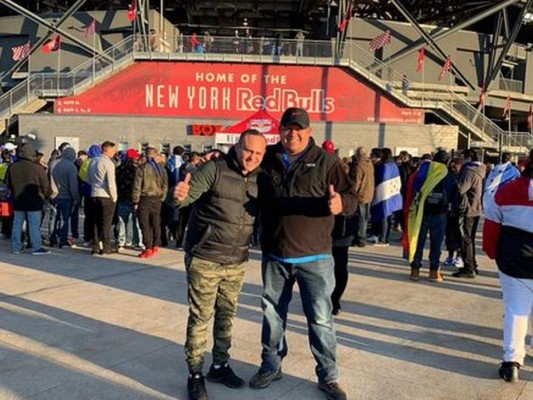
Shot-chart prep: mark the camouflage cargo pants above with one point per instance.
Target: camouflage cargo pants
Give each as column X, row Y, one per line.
column 212, row 289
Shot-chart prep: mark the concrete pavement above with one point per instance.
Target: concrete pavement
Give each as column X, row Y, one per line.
column 76, row 326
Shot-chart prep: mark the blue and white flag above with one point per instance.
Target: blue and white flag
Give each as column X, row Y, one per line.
column 499, row 176
column 387, row 195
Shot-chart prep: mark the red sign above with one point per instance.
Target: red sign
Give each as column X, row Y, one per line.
column 223, row 90
column 205, row 129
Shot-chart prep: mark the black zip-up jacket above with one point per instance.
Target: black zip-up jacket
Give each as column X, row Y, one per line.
column 294, row 209
column 27, row 181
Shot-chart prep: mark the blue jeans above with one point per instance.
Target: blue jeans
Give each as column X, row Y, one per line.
column 127, row 231
column 75, row 221
column 316, row 281
column 34, row 230
column 435, row 224
column 63, row 212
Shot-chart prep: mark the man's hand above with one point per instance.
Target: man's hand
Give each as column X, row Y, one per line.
column 182, row 189
column 335, row 201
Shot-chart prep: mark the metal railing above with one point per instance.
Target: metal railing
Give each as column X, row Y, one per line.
column 511, row 85
column 65, row 83
column 455, row 105
column 517, row 139
column 276, row 50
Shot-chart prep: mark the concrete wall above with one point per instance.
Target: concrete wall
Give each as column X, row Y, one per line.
column 136, row 130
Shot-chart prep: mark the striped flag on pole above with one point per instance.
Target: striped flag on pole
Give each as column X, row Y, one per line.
column 446, row 67
column 21, row 52
column 507, row 108
column 90, row 29
column 379, row 41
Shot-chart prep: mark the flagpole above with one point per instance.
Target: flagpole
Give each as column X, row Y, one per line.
column 423, row 83
column 58, row 67
column 94, row 51
column 29, row 69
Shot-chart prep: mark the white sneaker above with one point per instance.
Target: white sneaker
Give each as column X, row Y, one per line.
column 458, row 262
column 372, row 239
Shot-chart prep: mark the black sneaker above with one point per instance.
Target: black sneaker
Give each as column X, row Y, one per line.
column 463, row 273
column 196, row 387
column 225, row 375
column 264, row 378
column 332, row 390
column 509, row 371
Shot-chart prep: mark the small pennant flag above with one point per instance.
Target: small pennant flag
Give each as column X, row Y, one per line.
column 346, row 19
column 132, row 10
column 446, row 67
column 530, row 118
column 421, row 58
column 52, row 45
column 90, row 29
column 21, row 52
column 507, row 108
column 379, row 41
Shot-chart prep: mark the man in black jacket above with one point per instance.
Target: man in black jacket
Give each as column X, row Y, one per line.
column 29, row 185
column 224, row 197
column 301, row 189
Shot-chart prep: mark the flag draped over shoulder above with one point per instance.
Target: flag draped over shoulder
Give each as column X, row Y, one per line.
column 425, row 180
column 501, row 175
column 387, row 196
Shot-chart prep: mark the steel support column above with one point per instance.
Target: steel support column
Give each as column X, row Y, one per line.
column 508, row 43
column 439, row 34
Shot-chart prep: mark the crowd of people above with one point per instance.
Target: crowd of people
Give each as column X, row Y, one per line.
column 304, row 204
column 122, row 195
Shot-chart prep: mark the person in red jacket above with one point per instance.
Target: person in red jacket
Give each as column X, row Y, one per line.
column 508, row 239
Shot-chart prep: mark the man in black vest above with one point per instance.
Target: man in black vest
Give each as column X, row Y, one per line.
column 224, row 197
column 301, row 189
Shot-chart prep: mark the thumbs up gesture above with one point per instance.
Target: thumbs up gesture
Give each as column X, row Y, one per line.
column 335, row 201
column 182, row 189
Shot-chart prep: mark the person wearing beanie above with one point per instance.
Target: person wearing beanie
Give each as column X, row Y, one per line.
column 128, row 231
column 508, row 240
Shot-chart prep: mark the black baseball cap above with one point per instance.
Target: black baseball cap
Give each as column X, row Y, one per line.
column 296, row 116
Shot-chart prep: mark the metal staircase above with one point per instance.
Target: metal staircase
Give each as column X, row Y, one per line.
column 30, row 95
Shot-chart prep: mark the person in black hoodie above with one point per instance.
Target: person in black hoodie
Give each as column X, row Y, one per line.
column 470, row 189
column 29, row 185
